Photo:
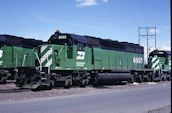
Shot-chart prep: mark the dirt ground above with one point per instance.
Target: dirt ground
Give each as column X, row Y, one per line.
column 10, row 93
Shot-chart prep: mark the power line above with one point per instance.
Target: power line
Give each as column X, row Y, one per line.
column 111, row 14
column 118, row 11
column 130, row 12
column 144, row 12
column 147, row 35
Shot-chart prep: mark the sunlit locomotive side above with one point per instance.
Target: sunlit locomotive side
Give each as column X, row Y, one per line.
column 15, row 52
column 69, row 59
column 160, row 62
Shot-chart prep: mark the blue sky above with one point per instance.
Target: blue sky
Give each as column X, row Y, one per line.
column 113, row 19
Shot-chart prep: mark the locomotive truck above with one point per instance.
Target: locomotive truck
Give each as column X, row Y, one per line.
column 15, row 52
column 74, row 59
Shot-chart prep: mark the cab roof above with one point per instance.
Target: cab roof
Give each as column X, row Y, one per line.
column 160, row 53
column 94, row 42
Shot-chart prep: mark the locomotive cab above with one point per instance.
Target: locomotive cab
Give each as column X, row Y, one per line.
column 62, row 51
column 160, row 60
column 68, row 40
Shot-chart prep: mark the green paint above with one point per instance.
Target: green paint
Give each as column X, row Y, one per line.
column 14, row 56
column 91, row 59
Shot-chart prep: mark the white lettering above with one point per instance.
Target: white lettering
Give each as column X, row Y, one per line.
column 80, row 63
column 62, row 37
column 137, row 60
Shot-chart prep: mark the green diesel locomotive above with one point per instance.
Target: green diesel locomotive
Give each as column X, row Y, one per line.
column 73, row 59
column 160, row 62
column 15, row 52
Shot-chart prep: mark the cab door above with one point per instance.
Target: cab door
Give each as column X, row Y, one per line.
column 97, row 58
column 69, row 58
column 80, row 56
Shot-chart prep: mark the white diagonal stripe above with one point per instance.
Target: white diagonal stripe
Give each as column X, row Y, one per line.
column 156, row 63
column 43, row 48
column 43, row 58
column 153, row 59
column 158, row 67
column 48, row 64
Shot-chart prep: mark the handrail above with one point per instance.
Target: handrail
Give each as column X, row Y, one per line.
column 38, row 61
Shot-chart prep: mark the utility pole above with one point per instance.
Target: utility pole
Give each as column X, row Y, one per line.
column 149, row 32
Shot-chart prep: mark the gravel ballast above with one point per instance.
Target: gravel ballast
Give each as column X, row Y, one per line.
column 10, row 93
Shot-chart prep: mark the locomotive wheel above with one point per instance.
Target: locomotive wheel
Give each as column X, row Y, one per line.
column 150, row 77
column 4, row 80
column 35, row 82
column 135, row 78
column 132, row 79
column 168, row 77
column 147, row 79
column 4, row 76
column 68, row 83
column 38, row 83
column 140, row 79
column 83, row 83
column 156, row 77
column 163, row 78
column 20, row 80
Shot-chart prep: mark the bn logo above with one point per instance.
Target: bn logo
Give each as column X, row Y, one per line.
column 80, row 55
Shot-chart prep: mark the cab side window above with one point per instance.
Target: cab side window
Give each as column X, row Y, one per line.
column 56, row 52
column 56, row 57
column 0, row 45
column 70, row 52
